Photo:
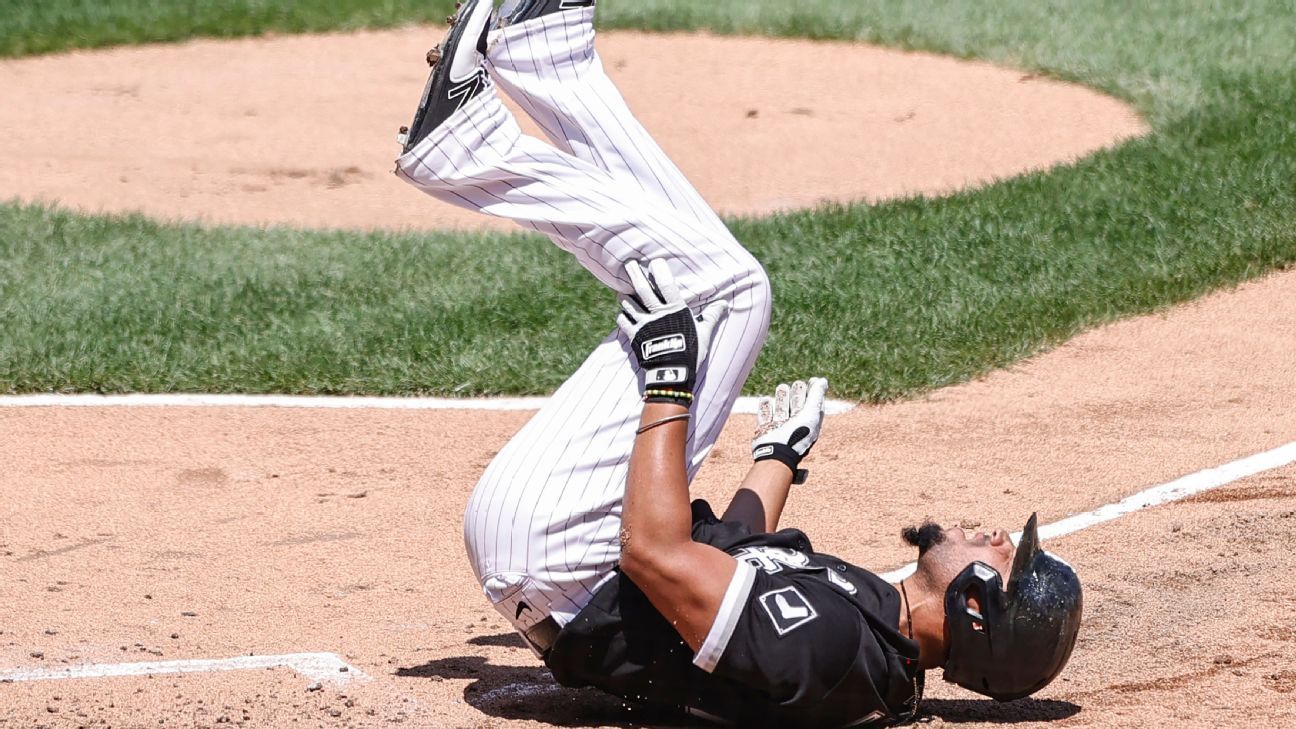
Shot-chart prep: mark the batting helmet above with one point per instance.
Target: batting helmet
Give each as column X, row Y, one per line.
column 1022, row 637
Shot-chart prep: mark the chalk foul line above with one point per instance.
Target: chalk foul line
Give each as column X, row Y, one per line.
column 1181, row 488
column 318, row 667
column 745, row 405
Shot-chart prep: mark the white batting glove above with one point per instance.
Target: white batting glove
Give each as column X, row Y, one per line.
column 668, row 341
column 788, row 424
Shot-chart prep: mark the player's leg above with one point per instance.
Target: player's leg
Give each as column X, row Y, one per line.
column 480, row 160
column 542, row 526
column 548, row 65
column 544, row 59
column 547, row 511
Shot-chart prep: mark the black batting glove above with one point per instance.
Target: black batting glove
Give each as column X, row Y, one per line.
column 667, row 340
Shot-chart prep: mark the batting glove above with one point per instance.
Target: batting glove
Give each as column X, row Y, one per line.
column 788, row 424
column 667, row 339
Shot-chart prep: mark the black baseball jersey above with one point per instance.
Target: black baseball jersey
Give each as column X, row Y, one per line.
column 802, row 640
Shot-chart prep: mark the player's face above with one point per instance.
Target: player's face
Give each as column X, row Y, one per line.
column 994, row 548
column 954, row 549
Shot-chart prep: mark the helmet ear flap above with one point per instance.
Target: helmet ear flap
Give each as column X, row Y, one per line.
column 970, row 632
column 983, row 584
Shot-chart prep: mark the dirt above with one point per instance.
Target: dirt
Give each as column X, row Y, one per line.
column 274, row 531
column 301, row 130
column 152, row 534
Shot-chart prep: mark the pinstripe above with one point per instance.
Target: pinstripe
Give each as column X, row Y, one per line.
column 581, row 456
column 543, row 95
column 544, row 107
column 548, row 507
column 592, row 82
column 542, row 170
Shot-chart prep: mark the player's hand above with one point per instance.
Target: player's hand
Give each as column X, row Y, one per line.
column 788, row 424
column 667, row 339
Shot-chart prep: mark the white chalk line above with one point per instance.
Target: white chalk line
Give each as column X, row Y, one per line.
column 744, row 405
column 1180, row 488
column 320, row 667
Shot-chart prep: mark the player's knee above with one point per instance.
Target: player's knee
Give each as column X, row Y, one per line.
column 757, row 283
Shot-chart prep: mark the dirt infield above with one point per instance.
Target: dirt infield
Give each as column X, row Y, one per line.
column 158, row 534
column 202, row 131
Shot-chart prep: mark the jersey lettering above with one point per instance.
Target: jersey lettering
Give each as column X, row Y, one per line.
column 772, row 560
column 842, row 582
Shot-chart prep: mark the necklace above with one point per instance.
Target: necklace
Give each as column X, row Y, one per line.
column 908, row 615
column 917, row 676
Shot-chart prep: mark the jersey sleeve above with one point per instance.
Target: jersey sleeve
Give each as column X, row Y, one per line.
column 709, row 529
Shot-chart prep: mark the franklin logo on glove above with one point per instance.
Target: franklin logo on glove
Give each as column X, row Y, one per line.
column 667, row 339
column 663, row 345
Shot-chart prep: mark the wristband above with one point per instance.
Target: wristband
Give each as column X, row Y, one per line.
column 784, row 454
column 676, row 397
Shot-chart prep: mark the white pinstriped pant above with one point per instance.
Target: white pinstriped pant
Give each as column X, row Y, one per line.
column 542, row 527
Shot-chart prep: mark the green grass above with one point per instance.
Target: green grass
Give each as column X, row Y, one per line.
column 42, row 26
column 886, row 300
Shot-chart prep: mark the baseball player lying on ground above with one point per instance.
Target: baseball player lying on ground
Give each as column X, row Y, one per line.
column 581, row 531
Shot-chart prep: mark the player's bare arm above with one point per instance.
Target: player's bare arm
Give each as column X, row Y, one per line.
column 758, row 503
column 683, row 579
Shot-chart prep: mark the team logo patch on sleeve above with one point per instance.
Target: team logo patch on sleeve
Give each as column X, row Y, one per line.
column 788, row 609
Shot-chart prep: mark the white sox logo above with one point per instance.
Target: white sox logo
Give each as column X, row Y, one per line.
column 668, row 344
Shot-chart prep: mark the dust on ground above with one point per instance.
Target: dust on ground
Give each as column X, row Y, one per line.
column 301, row 130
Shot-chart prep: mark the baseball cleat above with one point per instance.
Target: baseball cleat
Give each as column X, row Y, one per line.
column 513, row 12
column 457, row 73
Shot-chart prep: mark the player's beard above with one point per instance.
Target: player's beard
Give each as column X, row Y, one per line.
column 923, row 537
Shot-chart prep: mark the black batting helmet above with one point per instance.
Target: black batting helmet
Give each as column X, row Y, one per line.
column 1023, row 636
